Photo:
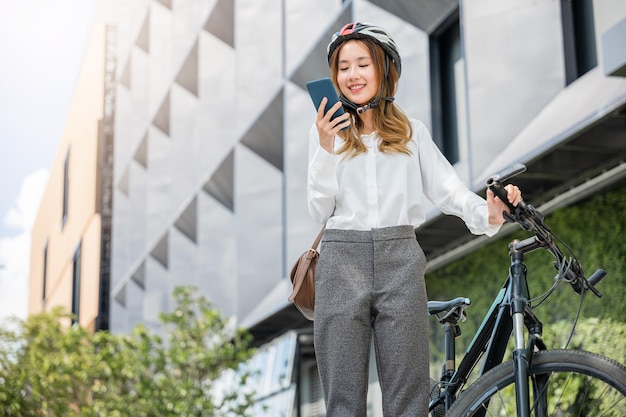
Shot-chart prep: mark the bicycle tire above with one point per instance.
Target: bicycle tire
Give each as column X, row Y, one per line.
column 579, row 383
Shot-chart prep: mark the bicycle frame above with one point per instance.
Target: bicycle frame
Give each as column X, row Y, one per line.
column 509, row 314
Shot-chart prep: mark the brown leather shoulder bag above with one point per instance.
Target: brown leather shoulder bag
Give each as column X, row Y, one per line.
column 303, row 279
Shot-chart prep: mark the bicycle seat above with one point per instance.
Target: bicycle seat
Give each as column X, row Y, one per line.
column 436, row 307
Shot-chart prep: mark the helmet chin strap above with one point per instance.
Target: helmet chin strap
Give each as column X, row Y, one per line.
column 362, row 109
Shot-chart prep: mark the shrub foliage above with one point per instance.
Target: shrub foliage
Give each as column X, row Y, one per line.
column 48, row 368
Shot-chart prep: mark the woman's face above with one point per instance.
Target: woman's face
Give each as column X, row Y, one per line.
column 356, row 73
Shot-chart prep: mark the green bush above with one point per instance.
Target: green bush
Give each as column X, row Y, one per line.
column 48, row 368
column 603, row 336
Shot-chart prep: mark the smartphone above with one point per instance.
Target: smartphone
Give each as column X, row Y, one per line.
column 318, row 89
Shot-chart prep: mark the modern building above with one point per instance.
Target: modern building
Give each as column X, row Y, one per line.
column 70, row 242
column 211, row 120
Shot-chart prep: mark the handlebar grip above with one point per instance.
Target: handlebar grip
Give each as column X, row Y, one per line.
column 590, row 283
column 500, row 192
column 596, row 277
column 494, row 183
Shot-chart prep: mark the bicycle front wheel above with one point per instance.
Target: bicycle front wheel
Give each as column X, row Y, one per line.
column 563, row 383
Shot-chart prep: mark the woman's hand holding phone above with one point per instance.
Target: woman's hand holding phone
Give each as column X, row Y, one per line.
column 327, row 126
column 330, row 114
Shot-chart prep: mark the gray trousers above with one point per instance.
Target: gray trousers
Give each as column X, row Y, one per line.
column 371, row 284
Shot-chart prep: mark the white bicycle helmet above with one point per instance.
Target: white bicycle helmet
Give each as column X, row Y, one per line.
column 380, row 36
column 359, row 30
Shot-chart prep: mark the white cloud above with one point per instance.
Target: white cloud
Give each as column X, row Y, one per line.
column 22, row 215
column 15, row 250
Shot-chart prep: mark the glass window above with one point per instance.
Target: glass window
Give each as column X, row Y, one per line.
column 44, row 275
column 579, row 38
column 447, row 86
column 271, row 378
column 66, row 187
column 76, row 266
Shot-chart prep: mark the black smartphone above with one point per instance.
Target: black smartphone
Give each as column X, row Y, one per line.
column 318, row 89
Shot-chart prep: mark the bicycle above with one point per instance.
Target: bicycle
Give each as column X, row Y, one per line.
column 536, row 381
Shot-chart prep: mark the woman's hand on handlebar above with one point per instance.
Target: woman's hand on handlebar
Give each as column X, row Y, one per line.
column 496, row 206
column 327, row 129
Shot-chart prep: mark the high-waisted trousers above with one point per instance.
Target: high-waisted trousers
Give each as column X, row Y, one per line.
column 370, row 284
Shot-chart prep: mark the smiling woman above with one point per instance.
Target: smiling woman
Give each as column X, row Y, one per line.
column 41, row 45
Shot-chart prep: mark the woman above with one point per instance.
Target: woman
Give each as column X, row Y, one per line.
column 371, row 172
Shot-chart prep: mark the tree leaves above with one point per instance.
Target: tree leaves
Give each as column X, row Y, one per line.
column 50, row 368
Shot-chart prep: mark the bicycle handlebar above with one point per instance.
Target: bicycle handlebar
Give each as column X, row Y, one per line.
column 531, row 219
column 507, row 173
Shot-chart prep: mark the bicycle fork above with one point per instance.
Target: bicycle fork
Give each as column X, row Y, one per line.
column 519, row 304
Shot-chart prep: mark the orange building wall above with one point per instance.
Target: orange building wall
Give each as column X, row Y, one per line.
column 80, row 138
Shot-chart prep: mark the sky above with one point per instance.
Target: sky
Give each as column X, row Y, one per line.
column 42, row 44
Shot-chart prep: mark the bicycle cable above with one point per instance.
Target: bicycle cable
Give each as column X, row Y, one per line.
column 571, row 333
column 540, row 299
column 564, row 265
column 537, row 301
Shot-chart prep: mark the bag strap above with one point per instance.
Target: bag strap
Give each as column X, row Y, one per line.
column 303, row 266
column 301, row 269
column 316, row 243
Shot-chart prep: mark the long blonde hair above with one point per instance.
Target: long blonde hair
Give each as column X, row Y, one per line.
column 390, row 122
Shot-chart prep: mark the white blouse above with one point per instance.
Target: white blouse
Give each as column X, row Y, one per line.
column 374, row 190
